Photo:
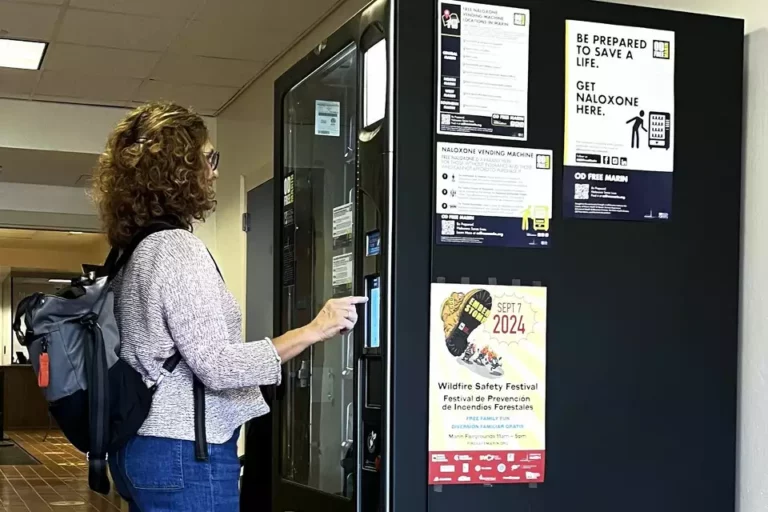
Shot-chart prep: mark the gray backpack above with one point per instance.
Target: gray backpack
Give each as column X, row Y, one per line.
column 97, row 399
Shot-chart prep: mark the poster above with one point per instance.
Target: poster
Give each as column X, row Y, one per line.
column 327, row 118
column 493, row 196
column 619, row 122
column 487, row 377
column 482, row 70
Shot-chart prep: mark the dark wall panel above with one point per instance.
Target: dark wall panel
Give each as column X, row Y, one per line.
column 643, row 317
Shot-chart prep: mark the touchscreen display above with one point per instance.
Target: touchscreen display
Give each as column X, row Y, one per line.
column 374, row 312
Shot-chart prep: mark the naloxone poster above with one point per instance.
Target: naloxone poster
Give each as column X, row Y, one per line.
column 487, row 384
column 493, row 196
column 482, row 59
column 619, row 122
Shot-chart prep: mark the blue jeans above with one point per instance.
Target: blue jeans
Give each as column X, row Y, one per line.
column 158, row 474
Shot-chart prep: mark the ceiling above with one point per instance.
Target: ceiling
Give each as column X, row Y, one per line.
column 52, row 240
column 58, row 168
column 198, row 53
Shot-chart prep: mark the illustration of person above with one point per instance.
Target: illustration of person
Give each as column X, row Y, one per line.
column 526, row 219
column 639, row 123
column 495, row 362
column 469, row 353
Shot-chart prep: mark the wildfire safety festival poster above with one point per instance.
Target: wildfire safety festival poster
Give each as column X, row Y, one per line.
column 487, row 384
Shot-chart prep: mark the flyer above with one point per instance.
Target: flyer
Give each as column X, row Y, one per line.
column 342, row 274
column 619, row 122
column 487, row 378
column 482, row 70
column 493, row 196
column 327, row 118
column 343, row 225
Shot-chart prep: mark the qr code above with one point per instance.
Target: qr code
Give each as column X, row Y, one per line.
column 582, row 192
column 449, row 227
column 445, row 119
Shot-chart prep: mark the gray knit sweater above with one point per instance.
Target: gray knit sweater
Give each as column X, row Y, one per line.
column 171, row 297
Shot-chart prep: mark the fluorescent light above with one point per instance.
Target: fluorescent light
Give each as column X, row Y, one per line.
column 21, row 54
column 75, row 232
column 60, row 281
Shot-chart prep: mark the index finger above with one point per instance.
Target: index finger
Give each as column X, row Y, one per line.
column 357, row 300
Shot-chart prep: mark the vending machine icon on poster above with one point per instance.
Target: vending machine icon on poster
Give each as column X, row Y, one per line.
column 659, row 130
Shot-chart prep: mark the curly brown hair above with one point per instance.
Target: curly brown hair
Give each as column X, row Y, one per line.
column 153, row 168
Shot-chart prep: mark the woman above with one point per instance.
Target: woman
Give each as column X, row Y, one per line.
column 159, row 164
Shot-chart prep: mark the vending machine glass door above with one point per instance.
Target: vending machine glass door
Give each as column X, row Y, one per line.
column 319, row 147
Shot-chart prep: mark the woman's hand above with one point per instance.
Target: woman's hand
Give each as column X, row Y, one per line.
column 338, row 316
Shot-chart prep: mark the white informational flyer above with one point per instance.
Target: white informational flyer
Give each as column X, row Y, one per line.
column 493, row 196
column 343, row 268
column 482, row 70
column 343, row 225
column 342, row 274
column 327, row 118
column 619, row 118
column 343, row 220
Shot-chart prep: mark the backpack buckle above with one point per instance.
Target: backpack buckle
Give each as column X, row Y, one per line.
column 90, row 319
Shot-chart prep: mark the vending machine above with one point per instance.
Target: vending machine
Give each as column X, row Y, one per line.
column 659, row 130
column 333, row 174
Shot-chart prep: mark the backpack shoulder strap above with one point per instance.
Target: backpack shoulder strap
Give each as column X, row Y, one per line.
column 115, row 262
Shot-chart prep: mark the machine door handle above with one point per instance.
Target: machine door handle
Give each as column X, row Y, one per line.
column 303, row 374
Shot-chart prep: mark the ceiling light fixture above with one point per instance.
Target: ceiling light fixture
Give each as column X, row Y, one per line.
column 60, row 281
column 21, row 54
column 75, row 232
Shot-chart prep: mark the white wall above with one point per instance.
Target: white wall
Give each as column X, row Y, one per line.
column 754, row 12
column 753, row 395
column 6, row 321
column 45, row 198
column 45, row 126
column 60, row 127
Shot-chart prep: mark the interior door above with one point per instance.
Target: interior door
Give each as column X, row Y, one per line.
column 316, row 446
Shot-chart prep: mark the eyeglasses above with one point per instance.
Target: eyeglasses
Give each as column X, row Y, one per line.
column 213, row 159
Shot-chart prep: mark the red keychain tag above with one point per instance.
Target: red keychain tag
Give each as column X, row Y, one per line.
column 43, row 374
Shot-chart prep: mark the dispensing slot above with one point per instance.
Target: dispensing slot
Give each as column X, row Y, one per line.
column 374, row 392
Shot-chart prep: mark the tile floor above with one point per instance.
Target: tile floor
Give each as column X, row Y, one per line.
column 59, row 482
